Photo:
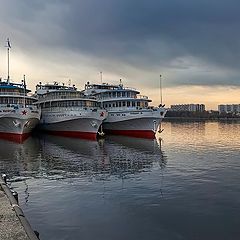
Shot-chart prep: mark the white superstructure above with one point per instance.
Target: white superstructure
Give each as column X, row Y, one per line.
column 18, row 114
column 128, row 112
column 68, row 112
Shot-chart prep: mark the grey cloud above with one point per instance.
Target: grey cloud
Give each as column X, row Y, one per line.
column 144, row 34
column 206, row 30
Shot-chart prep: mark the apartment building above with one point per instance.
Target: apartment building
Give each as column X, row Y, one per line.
column 188, row 107
column 229, row 108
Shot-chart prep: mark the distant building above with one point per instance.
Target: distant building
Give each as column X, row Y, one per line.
column 188, row 107
column 229, row 108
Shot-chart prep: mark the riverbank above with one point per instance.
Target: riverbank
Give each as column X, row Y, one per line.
column 13, row 223
column 172, row 119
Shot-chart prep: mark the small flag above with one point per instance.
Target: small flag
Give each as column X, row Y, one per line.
column 8, row 43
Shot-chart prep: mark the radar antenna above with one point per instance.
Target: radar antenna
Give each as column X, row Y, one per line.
column 8, row 59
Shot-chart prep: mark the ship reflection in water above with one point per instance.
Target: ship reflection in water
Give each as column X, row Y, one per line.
column 19, row 158
column 56, row 157
column 183, row 187
column 113, row 156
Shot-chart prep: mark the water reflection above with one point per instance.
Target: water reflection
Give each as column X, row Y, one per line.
column 53, row 157
column 112, row 156
column 116, row 184
column 202, row 135
column 16, row 158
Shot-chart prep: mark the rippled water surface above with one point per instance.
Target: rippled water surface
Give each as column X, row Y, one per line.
column 184, row 185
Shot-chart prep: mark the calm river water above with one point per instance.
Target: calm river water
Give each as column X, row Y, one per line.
column 185, row 185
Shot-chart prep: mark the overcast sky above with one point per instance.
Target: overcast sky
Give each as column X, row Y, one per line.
column 194, row 45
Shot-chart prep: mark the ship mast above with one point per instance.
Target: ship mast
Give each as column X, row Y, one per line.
column 24, row 89
column 160, row 89
column 101, row 77
column 8, row 59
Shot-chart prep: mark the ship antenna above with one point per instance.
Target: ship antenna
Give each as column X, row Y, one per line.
column 8, row 58
column 160, row 89
column 24, row 88
column 101, row 77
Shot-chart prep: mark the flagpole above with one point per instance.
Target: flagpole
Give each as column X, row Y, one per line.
column 24, row 90
column 8, row 59
column 161, row 88
column 101, row 77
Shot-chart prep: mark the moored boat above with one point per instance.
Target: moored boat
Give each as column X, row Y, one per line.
column 129, row 112
column 68, row 112
column 18, row 114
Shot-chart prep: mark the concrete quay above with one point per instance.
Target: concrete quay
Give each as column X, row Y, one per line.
column 13, row 224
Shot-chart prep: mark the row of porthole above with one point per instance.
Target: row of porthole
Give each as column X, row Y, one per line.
column 63, row 115
column 118, row 114
column 7, row 110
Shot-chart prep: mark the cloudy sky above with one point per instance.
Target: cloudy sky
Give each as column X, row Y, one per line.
column 194, row 45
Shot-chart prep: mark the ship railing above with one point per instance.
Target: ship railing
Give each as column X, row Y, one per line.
column 122, row 97
column 142, row 97
column 137, row 108
column 129, row 88
column 17, row 106
column 61, row 97
column 13, row 93
column 90, row 109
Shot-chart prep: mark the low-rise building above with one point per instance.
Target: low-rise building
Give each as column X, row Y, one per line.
column 229, row 108
column 188, row 107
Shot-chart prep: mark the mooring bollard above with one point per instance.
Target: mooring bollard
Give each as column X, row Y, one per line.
column 15, row 194
column 4, row 177
column 13, row 198
column 37, row 234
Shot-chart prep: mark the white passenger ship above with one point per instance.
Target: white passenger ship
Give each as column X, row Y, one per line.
column 18, row 114
column 68, row 112
column 128, row 112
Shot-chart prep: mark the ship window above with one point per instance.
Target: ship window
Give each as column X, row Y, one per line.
column 128, row 104
column 123, row 94
column 138, row 104
column 128, row 94
column 114, row 94
column 133, row 104
column 109, row 105
column 113, row 104
column 54, row 104
column 124, row 104
column 120, row 104
column 119, row 94
column 142, row 104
